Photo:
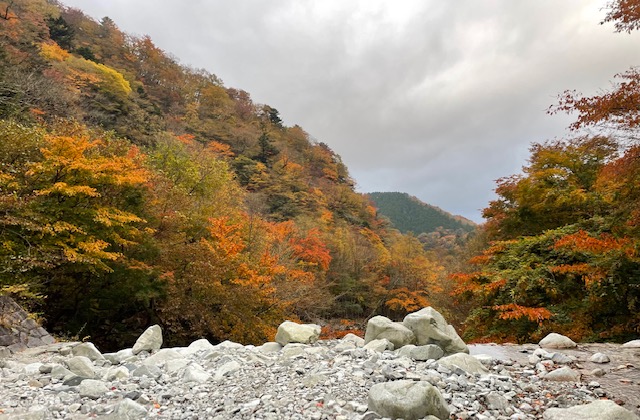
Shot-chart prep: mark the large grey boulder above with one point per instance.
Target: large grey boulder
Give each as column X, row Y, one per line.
column 465, row 362
column 290, row 332
column 150, row 340
column 557, row 341
column 430, row 327
column 88, row 350
column 380, row 327
column 81, row 366
column 596, row 410
column 409, row 400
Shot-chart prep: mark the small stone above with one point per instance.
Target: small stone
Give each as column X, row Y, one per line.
column 465, row 362
column 128, row 410
column 561, row 358
column 271, row 347
column 116, row 373
column 226, row 369
column 199, row 345
column 60, row 372
column 563, row 374
column 162, row 356
column 195, row 373
column 119, row 356
column 379, row 345
column 150, row 371
column 598, row 372
column 92, row 388
column 496, row 401
column 352, row 338
column 599, row 358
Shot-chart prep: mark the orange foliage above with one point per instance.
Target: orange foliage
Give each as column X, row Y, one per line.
column 187, row 139
column 514, row 311
column 220, row 149
column 312, row 250
column 405, row 300
column 465, row 282
column 582, row 241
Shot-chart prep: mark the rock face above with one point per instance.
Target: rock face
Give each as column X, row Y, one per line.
column 150, row 340
column 430, row 327
column 290, row 332
column 557, row 341
column 380, row 327
column 17, row 330
column 597, row 410
column 407, row 400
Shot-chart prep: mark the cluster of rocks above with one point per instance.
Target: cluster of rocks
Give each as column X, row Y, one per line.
column 17, row 330
column 419, row 368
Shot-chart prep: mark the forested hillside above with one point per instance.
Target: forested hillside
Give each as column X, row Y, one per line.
column 135, row 189
column 562, row 240
column 409, row 214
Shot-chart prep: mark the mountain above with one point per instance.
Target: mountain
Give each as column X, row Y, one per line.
column 409, row 214
column 136, row 190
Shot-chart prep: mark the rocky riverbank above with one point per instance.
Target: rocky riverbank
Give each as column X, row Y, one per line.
column 322, row 380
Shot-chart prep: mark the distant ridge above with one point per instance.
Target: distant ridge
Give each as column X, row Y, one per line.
column 409, row 214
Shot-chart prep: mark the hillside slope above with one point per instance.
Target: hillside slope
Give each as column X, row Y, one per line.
column 409, row 214
column 136, row 190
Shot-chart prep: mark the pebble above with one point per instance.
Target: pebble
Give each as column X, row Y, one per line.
column 323, row 380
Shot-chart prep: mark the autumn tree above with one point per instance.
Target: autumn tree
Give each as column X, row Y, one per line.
column 72, row 222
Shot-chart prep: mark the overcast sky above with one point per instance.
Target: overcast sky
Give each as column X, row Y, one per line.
column 435, row 98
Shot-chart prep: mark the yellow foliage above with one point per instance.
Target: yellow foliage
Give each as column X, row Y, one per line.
column 63, row 188
column 110, row 79
column 52, row 51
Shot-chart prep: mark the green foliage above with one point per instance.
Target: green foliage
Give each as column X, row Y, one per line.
column 61, row 32
column 565, row 255
column 408, row 214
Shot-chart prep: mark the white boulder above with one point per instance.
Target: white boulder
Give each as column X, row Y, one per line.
column 291, row 332
column 150, row 340
column 430, row 327
column 406, row 399
column 380, row 327
column 557, row 341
